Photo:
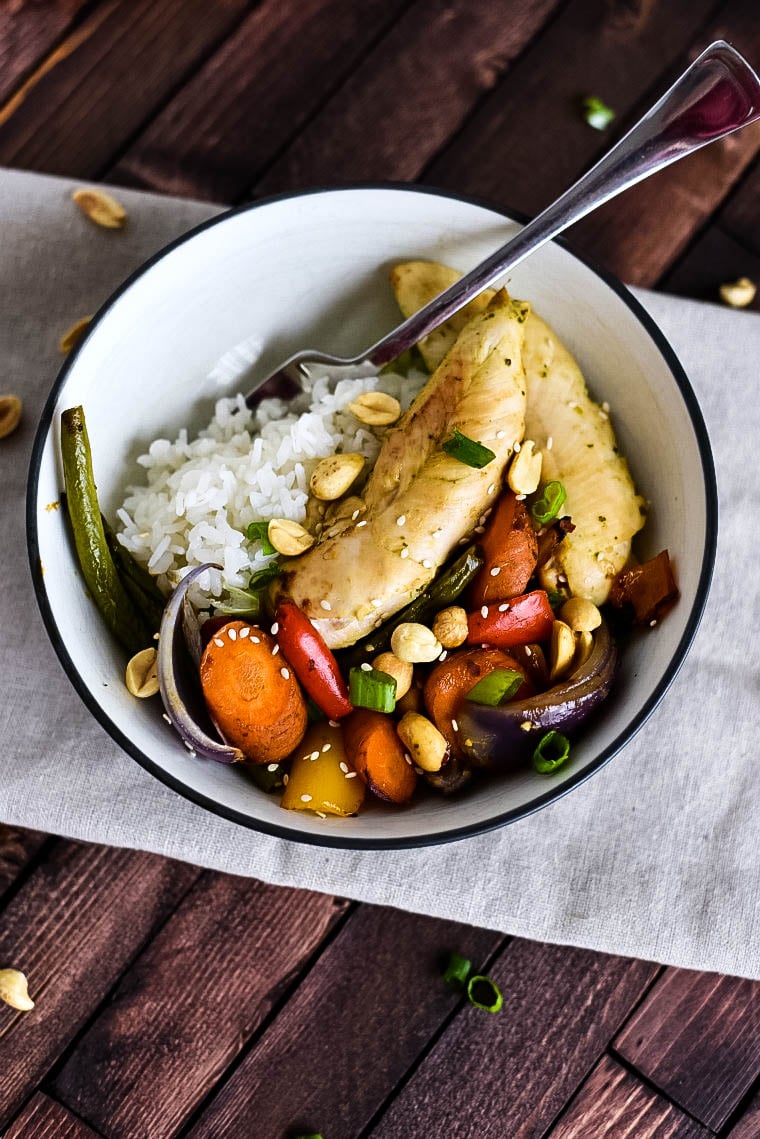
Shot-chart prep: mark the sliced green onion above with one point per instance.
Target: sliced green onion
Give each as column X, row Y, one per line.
column 238, row 601
column 596, row 113
column 556, row 599
column 547, row 507
column 259, row 532
column 263, row 576
column 457, row 971
column 370, row 688
column 501, row 684
column 552, row 751
column 468, row 451
column 314, row 1136
column 484, row 993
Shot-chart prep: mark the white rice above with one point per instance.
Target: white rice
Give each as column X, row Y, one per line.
column 201, row 495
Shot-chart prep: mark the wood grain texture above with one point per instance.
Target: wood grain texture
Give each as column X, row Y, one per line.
column 414, row 90
column 528, row 141
column 613, row 1104
column 748, row 1126
column 73, row 928
column 188, row 1005
column 714, row 258
column 17, row 849
column 740, row 217
column 43, row 1118
column 351, row 1030
column 511, row 1073
column 254, row 94
column 697, row 1038
column 103, row 81
column 27, row 33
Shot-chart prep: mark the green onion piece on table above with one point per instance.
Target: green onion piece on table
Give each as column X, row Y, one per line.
column 552, row 751
column 483, row 993
column 457, row 971
column 499, row 685
column 596, row 113
column 373, row 689
column 546, row 508
column 259, row 532
column 468, row 451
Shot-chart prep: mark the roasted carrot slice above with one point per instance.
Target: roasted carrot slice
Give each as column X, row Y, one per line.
column 450, row 681
column 510, row 546
column 252, row 695
column 374, row 749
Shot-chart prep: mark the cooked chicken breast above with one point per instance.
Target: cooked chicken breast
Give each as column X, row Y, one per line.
column 420, row 500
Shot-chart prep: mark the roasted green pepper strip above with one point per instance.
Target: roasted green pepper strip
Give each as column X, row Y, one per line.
column 98, row 569
column 139, row 584
column 450, row 583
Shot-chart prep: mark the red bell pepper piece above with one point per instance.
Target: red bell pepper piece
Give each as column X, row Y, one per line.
column 312, row 661
column 525, row 619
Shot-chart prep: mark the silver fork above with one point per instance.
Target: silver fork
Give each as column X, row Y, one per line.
column 718, row 94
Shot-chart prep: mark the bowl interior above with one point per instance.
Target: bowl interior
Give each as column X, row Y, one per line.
column 312, row 270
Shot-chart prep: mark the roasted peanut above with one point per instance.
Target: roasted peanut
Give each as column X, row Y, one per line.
column 71, row 338
column 581, row 615
column 561, row 652
column 101, row 208
column 10, row 414
column 377, row 409
column 739, row 293
column 401, row 671
column 14, row 990
column 450, row 626
column 415, row 643
column 525, row 469
column 288, row 537
column 142, row 674
column 333, row 476
column 584, row 642
column 427, row 747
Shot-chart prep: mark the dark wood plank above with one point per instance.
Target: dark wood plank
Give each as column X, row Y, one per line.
column 72, row 928
column 528, row 141
column 101, row 84
column 410, row 95
column 28, row 32
column 613, row 1104
column 43, row 1118
column 190, row 1002
column 740, row 217
column 254, row 94
column 351, row 1030
column 748, row 1126
column 715, row 257
column 17, row 849
column 511, row 1073
column 697, row 1038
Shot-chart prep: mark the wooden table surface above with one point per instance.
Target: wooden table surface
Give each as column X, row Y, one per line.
column 173, row 1001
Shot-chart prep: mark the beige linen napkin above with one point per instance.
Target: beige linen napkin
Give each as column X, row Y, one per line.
column 657, row 856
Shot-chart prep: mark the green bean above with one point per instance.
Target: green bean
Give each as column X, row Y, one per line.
column 442, row 591
column 96, row 563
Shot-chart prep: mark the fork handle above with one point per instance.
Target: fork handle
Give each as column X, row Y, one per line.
column 716, row 95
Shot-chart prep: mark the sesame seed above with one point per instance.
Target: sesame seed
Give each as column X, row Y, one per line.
column 166, row 717
column 355, row 515
column 306, row 798
column 652, row 623
column 426, row 563
column 419, row 770
column 219, row 642
column 325, row 605
column 256, row 640
column 463, row 541
column 526, row 726
column 605, row 406
column 500, row 434
column 517, row 447
column 503, row 607
column 521, row 497
column 572, row 405
column 376, row 602
column 244, row 632
column 561, row 579
column 321, row 814
column 405, row 552
column 603, row 415
column 314, row 755
column 343, row 766
column 491, row 489
column 362, row 523
column 365, row 667
column 478, row 530
column 275, row 650
column 600, row 556
column 285, row 779
column 326, row 747
column 271, row 767
column 550, row 443
column 275, row 629
column 408, row 758
column 370, row 649
column 495, row 571
column 333, row 723
column 350, row 775
column 455, row 725
column 378, row 623
column 232, row 634
column 528, row 651
column 443, row 654
column 482, row 519
column 401, row 520
column 284, row 674
column 484, row 611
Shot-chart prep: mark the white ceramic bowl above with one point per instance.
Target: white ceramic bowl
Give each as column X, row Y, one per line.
column 312, row 270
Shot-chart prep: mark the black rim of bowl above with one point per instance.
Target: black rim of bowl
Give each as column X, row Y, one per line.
column 552, row 794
